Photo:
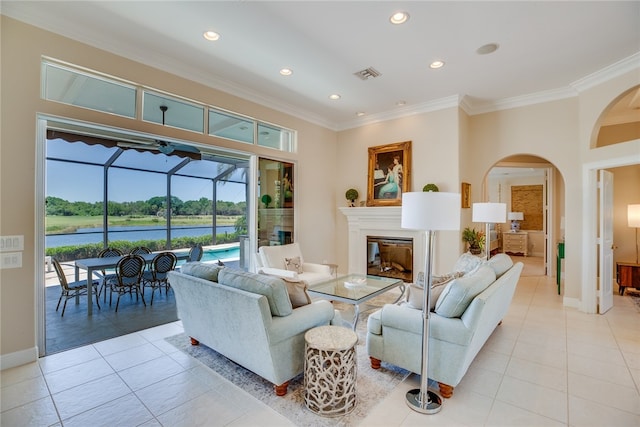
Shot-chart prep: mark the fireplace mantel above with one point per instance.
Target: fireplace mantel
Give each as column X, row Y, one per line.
column 379, row 221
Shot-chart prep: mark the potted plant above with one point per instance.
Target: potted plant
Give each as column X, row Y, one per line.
column 352, row 196
column 430, row 187
column 266, row 199
column 474, row 239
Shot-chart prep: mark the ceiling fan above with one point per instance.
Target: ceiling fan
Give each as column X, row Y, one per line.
column 165, row 147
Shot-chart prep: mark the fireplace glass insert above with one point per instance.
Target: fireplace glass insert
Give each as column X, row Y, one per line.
column 390, row 257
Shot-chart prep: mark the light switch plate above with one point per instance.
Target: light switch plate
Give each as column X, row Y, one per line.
column 11, row 260
column 11, row 243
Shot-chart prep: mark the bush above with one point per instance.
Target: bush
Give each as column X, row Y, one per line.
column 91, row 250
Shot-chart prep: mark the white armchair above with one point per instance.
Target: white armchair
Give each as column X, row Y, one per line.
column 287, row 262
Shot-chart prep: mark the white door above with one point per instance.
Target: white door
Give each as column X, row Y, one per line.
column 605, row 280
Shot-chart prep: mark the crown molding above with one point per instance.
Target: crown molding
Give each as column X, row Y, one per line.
column 520, row 101
column 614, row 70
column 426, row 107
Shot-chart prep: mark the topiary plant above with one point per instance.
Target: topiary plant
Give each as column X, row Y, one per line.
column 351, row 195
column 430, row 187
column 266, row 199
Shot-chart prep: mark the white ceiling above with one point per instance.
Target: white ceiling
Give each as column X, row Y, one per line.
column 546, row 50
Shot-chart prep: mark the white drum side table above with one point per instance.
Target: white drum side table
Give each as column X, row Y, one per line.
column 330, row 367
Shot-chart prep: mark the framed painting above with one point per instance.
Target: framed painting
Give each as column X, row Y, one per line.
column 389, row 174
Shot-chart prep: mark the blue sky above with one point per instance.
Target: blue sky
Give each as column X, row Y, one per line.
column 79, row 182
column 83, row 183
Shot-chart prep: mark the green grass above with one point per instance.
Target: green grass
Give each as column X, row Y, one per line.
column 69, row 224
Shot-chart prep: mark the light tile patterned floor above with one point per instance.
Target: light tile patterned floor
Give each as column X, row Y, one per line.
column 546, row 365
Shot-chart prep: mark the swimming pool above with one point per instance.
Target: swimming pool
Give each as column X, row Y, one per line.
column 214, row 254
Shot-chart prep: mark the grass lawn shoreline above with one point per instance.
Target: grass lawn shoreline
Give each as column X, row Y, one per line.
column 69, row 224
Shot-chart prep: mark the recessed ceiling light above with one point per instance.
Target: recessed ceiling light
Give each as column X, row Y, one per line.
column 360, row 113
column 401, row 103
column 286, row 71
column 211, row 35
column 399, row 18
column 334, row 96
column 436, row 64
column 487, row 48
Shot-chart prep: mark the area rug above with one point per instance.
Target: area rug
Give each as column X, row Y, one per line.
column 635, row 297
column 372, row 385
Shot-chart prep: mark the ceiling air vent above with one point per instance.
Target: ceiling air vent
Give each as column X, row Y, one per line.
column 367, row 73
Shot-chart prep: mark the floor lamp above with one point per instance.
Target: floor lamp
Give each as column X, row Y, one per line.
column 633, row 217
column 489, row 213
column 429, row 211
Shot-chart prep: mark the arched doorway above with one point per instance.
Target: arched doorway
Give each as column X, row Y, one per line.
column 619, row 123
column 534, row 187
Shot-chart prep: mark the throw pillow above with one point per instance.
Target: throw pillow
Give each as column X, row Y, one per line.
column 414, row 292
column 415, row 297
column 298, row 293
column 467, row 263
column 461, row 291
column 500, row 263
column 202, row 270
column 293, row 264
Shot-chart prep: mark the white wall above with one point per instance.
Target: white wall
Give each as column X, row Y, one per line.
column 435, row 156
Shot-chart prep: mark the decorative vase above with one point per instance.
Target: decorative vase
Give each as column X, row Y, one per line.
column 475, row 250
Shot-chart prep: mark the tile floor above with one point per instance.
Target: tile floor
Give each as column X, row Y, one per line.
column 544, row 366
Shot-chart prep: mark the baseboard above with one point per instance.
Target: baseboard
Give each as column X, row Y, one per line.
column 19, row 358
column 571, row 302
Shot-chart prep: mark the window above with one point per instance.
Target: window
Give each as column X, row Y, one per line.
column 73, row 87
column 172, row 112
column 89, row 89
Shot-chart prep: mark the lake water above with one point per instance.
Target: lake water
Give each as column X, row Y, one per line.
column 94, row 235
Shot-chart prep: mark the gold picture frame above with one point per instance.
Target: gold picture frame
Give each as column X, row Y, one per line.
column 389, row 174
column 466, row 195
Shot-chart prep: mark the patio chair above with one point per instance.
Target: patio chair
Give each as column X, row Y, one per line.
column 195, row 253
column 140, row 250
column 128, row 278
column 105, row 275
column 72, row 289
column 156, row 276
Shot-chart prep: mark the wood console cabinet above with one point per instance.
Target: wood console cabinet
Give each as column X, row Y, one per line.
column 627, row 275
column 515, row 242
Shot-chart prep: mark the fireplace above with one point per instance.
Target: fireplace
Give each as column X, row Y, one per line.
column 390, row 257
column 383, row 223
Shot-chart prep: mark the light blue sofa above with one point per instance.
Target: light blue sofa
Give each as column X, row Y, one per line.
column 248, row 318
column 466, row 313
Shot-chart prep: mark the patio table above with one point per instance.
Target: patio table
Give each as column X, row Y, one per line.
column 105, row 263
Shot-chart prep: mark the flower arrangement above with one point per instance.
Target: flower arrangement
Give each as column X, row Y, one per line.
column 474, row 238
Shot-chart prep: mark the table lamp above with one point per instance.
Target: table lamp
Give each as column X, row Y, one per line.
column 515, row 218
column 429, row 211
column 489, row 213
column 633, row 218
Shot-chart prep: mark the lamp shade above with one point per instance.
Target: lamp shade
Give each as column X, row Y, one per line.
column 430, row 210
column 489, row 212
column 515, row 216
column 633, row 215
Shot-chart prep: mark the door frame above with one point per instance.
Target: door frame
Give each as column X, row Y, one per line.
column 589, row 253
column 42, row 124
column 548, row 203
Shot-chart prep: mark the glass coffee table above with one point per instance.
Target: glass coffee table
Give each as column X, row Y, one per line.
column 355, row 289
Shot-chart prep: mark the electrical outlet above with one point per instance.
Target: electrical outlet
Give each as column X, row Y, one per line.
column 11, row 243
column 11, row 260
